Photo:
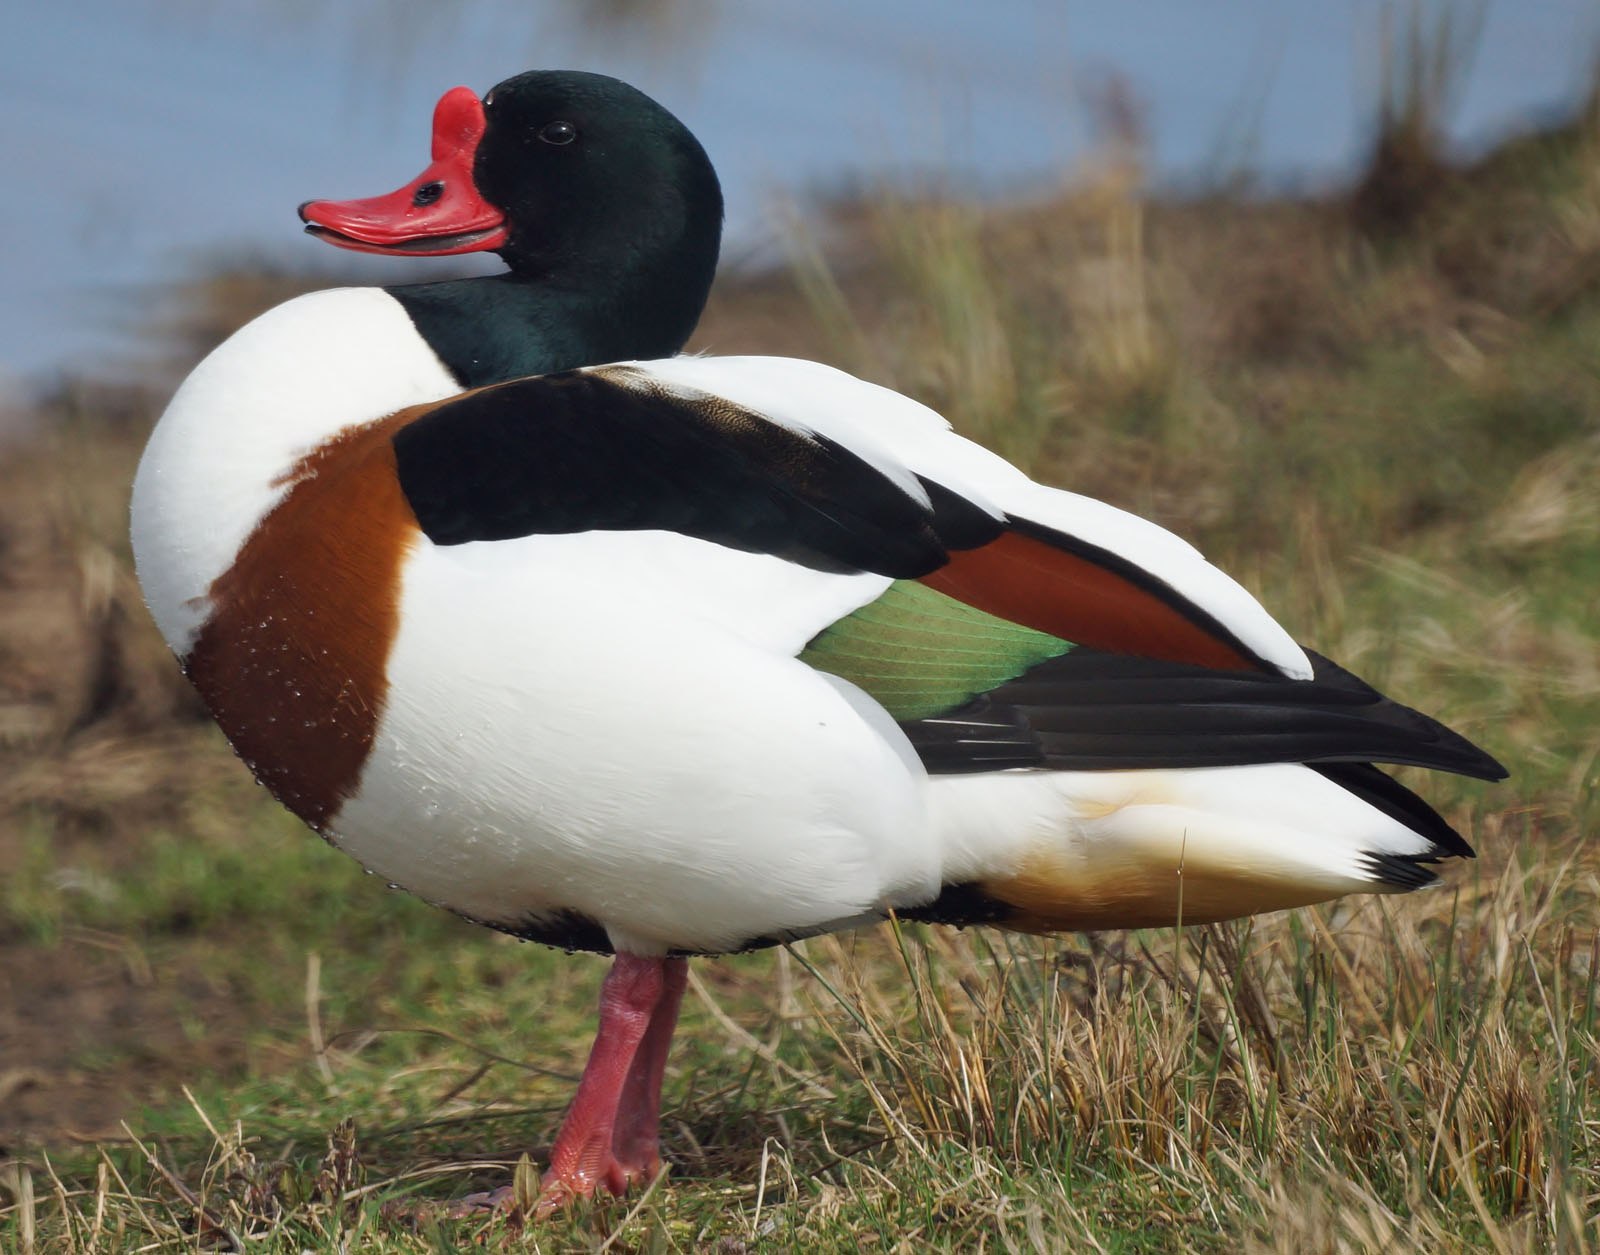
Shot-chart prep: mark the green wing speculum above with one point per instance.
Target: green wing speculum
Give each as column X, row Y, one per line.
column 920, row 653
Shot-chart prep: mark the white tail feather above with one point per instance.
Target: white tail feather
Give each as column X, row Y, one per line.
column 1118, row 848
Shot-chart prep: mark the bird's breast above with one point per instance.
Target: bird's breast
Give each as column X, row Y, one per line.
column 292, row 659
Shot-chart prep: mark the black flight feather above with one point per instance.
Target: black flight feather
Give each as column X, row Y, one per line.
column 1088, row 710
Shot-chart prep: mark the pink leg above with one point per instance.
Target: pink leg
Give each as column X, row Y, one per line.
column 635, row 1141
column 609, row 1135
column 582, row 1158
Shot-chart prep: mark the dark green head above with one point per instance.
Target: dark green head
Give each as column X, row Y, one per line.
column 605, row 207
column 591, row 171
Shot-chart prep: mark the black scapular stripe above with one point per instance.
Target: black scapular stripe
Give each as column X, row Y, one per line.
column 609, row 450
column 1093, row 711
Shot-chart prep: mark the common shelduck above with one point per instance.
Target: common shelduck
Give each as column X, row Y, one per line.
column 671, row 657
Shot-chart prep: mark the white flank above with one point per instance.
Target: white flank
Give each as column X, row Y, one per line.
column 569, row 740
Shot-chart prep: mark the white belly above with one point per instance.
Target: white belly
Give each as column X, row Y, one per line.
column 561, row 736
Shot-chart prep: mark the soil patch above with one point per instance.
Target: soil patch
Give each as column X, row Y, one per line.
column 90, row 1030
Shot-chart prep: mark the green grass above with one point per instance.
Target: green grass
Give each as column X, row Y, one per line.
column 1426, row 1074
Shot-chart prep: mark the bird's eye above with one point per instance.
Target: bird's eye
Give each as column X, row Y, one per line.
column 427, row 194
column 558, row 133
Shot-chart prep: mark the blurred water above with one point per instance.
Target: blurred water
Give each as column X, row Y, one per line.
column 141, row 139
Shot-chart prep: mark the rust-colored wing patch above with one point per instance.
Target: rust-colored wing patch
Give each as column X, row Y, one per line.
column 292, row 660
column 1090, row 597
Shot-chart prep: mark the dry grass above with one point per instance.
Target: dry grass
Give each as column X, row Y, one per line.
column 1401, row 1067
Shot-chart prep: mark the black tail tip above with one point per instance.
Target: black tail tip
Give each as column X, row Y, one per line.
column 1403, row 872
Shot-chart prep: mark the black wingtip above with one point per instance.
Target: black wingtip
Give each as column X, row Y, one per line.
column 1496, row 771
column 1440, row 748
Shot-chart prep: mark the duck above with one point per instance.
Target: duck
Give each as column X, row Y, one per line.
column 661, row 656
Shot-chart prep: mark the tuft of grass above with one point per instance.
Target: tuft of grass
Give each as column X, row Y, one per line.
column 1423, row 69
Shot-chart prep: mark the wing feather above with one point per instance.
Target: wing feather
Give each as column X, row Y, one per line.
column 1058, row 562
